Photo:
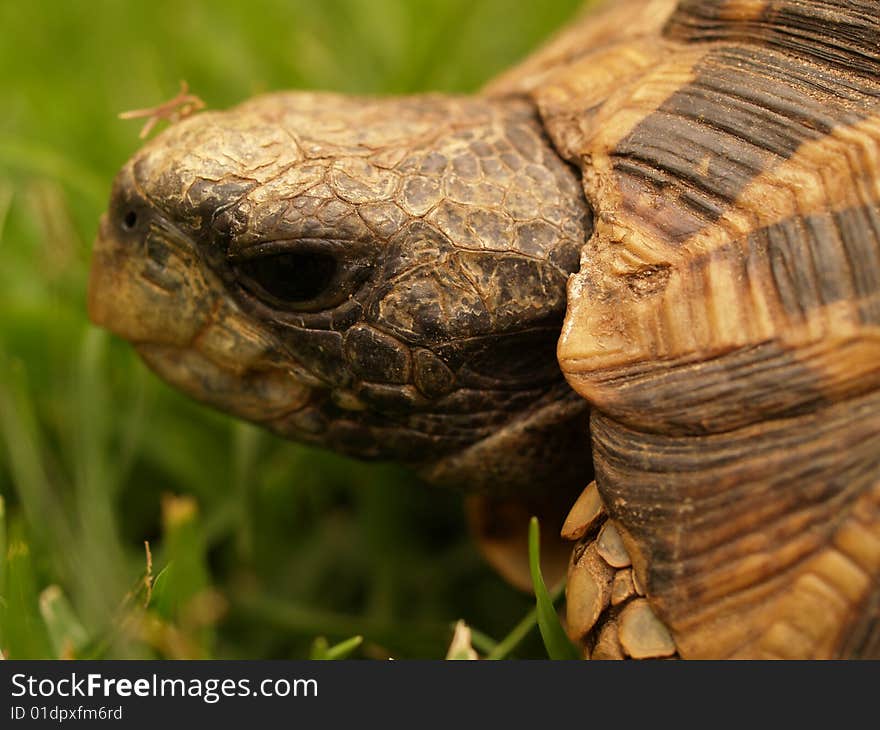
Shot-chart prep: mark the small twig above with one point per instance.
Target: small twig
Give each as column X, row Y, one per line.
column 148, row 576
column 180, row 107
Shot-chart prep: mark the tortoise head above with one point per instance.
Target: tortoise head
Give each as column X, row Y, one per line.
column 383, row 277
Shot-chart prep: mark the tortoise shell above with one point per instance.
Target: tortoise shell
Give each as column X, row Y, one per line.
column 724, row 322
column 386, row 277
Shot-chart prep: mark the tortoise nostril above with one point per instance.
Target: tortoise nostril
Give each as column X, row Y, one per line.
column 130, row 220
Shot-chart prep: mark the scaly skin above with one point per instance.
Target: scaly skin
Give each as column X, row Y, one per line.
column 383, row 277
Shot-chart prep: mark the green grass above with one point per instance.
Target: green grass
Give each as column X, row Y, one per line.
column 259, row 548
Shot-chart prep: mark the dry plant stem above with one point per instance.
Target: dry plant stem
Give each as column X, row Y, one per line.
column 180, row 107
column 148, row 575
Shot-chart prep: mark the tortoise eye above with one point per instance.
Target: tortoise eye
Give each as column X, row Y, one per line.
column 291, row 279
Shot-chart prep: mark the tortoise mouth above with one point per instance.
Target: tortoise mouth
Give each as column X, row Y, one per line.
column 273, row 396
column 263, row 394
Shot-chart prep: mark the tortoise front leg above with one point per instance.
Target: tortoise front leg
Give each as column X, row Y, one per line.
column 759, row 542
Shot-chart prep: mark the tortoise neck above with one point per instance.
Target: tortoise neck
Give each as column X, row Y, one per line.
column 544, row 450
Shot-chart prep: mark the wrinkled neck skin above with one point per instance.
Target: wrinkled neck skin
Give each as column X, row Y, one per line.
column 381, row 277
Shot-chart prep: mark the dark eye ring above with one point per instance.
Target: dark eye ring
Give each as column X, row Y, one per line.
column 291, row 279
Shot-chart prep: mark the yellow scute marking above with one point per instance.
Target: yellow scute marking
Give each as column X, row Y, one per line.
column 742, row 10
column 838, row 171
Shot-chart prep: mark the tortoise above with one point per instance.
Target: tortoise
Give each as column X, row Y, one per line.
column 647, row 259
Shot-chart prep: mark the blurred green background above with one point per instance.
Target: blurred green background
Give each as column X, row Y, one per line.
column 259, row 547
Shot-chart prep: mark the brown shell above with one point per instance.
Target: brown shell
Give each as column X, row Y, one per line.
column 724, row 324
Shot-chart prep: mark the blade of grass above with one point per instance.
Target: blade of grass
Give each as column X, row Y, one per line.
column 519, row 632
column 321, row 650
column 420, row 638
column 160, row 587
column 41, row 503
column 483, row 643
column 182, row 593
column 22, row 633
column 133, row 424
column 95, row 486
column 66, row 632
column 3, row 546
column 246, row 449
column 39, row 159
column 555, row 640
column 345, row 648
column 5, row 205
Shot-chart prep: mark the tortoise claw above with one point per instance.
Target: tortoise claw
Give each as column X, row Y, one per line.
column 607, row 612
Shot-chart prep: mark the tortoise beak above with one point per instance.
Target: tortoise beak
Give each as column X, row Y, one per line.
column 142, row 299
column 147, row 286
